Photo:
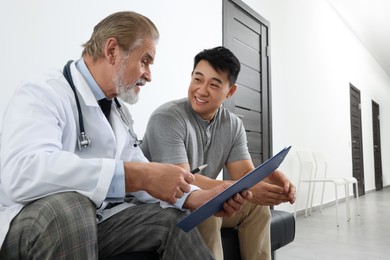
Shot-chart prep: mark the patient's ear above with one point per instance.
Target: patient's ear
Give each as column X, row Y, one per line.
column 232, row 89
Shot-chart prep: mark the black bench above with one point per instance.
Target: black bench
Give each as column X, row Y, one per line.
column 282, row 233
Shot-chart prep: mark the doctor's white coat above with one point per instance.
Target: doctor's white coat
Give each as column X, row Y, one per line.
column 39, row 150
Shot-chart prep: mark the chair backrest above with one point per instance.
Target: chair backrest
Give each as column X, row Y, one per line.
column 321, row 165
column 1, row 129
column 307, row 165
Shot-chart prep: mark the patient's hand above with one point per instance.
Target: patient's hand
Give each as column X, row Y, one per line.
column 230, row 207
column 274, row 190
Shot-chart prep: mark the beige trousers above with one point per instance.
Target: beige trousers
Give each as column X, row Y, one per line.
column 253, row 223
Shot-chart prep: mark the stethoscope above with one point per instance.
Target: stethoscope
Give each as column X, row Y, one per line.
column 83, row 140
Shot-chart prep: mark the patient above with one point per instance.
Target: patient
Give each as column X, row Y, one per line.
column 197, row 130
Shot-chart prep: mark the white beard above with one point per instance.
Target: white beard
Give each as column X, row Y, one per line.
column 125, row 91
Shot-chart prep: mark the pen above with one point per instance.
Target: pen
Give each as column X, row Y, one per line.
column 199, row 168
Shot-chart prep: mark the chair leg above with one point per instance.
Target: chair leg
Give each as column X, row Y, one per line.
column 357, row 199
column 295, row 204
column 307, row 200
column 312, row 198
column 348, row 208
column 322, row 196
column 337, row 206
column 295, row 207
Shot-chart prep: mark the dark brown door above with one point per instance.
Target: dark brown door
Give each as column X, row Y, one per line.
column 245, row 33
column 356, row 135
column 377, row 146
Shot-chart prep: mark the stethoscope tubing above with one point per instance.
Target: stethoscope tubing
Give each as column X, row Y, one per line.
column 83, row 140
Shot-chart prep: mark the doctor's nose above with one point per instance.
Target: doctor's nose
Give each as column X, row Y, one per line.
column 147, row 75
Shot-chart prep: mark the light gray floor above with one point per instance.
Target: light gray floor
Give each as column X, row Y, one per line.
column 365, row 237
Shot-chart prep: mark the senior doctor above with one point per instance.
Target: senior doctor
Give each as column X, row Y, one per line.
column 61, row 199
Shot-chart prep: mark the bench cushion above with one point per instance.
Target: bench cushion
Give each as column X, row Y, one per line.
column 282, row 233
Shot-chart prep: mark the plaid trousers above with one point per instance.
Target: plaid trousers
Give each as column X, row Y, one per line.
column 64, row 226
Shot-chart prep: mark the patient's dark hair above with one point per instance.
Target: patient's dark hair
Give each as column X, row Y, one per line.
column 222, row 60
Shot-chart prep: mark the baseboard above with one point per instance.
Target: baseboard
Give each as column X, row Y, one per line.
column 301, row 212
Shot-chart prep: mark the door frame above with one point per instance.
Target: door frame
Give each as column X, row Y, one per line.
column 266, row 119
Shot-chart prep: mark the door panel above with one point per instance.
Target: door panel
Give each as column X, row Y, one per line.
column 356, row 142
column 246, row 35
column 246, row 55
column 377, row 146
column 254, row 145
column 246, row 19
column 250, row 119
column 247, row 98
column 249, row 78
column 256, row 158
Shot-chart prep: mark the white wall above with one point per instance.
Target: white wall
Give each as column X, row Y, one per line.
column 314, row 57
column 41, row 34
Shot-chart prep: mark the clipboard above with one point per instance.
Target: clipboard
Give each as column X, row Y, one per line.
column 216, row 204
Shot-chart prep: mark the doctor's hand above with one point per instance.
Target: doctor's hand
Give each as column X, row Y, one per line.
column 230, row 207
column 166, row 182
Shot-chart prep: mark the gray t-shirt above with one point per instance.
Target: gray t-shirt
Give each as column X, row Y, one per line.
column 176, row 134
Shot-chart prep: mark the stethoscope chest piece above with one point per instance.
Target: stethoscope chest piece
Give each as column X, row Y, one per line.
column 83, row 141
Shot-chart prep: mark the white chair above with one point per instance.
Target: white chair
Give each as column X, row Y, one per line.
column 307, row 167
column 353, row 181
column 321, row 174
column 314, row 170
column 320, row 160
